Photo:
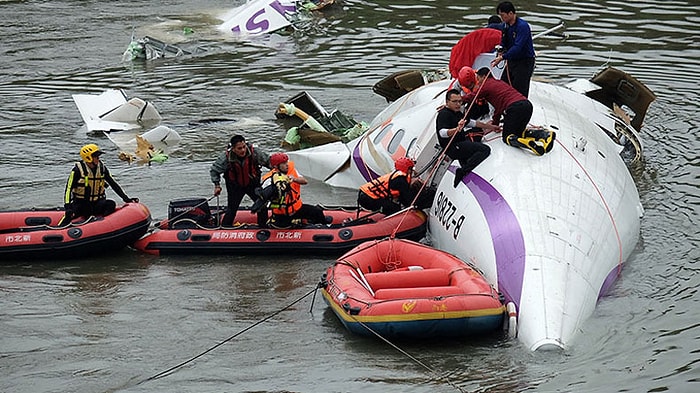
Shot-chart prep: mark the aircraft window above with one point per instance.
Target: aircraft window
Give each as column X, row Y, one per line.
column 381, row 134
column 410, row 145
column 396, row 141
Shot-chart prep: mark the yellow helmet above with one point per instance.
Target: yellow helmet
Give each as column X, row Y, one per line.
column 87, row 151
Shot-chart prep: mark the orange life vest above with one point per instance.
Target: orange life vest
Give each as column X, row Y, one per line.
column 379, row 187
column 289, row 200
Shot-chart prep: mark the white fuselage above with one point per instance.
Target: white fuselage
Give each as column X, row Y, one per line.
column 550, row 232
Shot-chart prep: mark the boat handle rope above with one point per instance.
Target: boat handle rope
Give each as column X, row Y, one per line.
column 324, row 283
column 172, row 369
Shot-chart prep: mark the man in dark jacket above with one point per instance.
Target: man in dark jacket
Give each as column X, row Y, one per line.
column 240, row 164
column 462, row 144
column 518, row 50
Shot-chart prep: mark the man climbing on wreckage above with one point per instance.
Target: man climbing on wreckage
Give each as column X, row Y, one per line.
column 461, row 137
column 513, row 106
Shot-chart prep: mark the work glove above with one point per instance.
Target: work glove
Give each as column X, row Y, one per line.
column 127, row 200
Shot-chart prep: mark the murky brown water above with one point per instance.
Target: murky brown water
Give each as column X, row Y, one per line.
column 106, row 323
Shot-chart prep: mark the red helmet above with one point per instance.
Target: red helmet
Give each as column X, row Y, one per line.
column 278, row 158
column 466, row 77
column 404, row 164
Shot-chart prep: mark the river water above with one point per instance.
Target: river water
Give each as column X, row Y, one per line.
column 110, row 322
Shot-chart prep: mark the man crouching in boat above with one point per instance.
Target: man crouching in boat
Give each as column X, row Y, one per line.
column 286, row 205
column 85, row 189
column 389, row 193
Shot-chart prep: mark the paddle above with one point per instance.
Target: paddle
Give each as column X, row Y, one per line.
column 362, row 281
column 550, row 31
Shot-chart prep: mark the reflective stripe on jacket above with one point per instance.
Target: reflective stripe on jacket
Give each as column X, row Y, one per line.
column 91, row 184
column 288, row 201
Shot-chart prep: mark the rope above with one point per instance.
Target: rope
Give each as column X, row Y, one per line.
column 418, row 362
column 171, row 369
column 437, row 162
column 219, row 217
column 605, row 204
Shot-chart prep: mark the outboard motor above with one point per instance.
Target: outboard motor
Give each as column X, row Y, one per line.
column 189, row 213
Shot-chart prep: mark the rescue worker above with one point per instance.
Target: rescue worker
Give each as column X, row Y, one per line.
column 240, row 164
column 391, row 192
column 462, row 144
column 515, row 108
column 85, row 189
column 518, row 50
column 495, row 22
column 286, row 203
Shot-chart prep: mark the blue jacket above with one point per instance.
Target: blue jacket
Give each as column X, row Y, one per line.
column 517, row 41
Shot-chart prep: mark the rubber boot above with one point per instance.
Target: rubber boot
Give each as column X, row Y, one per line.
column 543, row 136
column 549, row 141
column 526, row 143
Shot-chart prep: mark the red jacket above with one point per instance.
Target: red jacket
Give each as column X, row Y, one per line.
column 499, row 94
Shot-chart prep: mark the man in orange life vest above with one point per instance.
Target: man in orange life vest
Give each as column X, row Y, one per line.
column 391, row 192
column 240, row 164
column 85, row 189
column 286, row 204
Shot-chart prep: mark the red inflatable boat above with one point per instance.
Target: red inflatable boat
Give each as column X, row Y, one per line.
column 30, row 234
column 192, row 229
column 403, row 289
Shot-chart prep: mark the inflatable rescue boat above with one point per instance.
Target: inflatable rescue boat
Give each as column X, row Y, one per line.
column 31, row 234
column 192, row 228
column 403, row 289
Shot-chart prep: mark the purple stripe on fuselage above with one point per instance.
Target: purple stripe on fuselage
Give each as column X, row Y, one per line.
column 609, row 281
column 364, row 169
column 506, row 235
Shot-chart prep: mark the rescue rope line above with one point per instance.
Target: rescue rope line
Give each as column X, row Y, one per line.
column 408, row 355
column 605, row 204
column 436, row 164
column 172, row 369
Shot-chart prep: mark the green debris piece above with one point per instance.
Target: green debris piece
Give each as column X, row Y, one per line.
column 159, row 157
column 356, row 131
column 292, row 136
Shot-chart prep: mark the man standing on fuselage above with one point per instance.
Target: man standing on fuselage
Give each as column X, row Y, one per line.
column 518, row 50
